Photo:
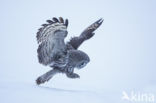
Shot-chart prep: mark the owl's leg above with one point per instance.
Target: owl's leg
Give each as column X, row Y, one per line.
column 70, row 73
column 47, row 76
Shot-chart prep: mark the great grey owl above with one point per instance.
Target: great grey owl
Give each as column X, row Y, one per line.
column 54, row 52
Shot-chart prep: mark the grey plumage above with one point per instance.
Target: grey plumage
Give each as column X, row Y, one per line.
column 54, row 52
column 51, row 41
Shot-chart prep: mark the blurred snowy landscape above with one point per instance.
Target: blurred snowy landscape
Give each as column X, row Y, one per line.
column 122, row 52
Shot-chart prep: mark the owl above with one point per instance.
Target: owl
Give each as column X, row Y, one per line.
column 60, row 56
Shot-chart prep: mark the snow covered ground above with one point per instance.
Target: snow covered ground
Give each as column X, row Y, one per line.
column 122, row 53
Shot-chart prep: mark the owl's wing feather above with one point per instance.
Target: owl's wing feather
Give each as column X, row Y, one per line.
column 75, row 42
column 46, row 39
column 50, row 27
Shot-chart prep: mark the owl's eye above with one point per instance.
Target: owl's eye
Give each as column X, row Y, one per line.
column 82, row 65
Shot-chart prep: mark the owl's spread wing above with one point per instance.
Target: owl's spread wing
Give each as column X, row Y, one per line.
column 46, row 38
column 75, row 42
column 49, row 28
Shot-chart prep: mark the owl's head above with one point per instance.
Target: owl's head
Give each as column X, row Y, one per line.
column 78, row 59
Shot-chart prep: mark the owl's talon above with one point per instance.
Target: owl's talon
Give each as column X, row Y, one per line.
column 73, row 75
column 41, row 80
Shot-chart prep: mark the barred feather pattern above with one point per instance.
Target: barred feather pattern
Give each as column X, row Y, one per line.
column 44, row 33
column 47, row 41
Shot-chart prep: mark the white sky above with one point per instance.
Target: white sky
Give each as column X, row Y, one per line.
column 123, row 51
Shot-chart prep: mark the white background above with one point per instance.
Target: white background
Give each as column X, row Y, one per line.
column 122, row 53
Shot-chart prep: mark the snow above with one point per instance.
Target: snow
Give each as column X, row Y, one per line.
column 29, row 93
column 122, row 52
column 61, row 89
